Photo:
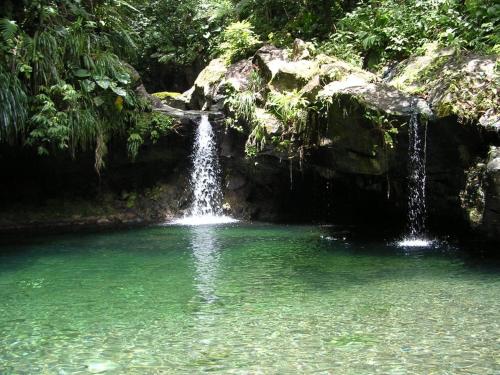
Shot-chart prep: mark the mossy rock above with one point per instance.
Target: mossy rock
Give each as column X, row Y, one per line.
column 206, row 85
column 167, row 95
column 173, row 99
column 375, row 96
column 458, row 84
column 294, row 75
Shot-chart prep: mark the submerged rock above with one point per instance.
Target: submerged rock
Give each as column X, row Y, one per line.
column 100, row 366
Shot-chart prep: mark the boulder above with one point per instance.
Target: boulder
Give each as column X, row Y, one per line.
column 269, row 121
column 205, row 86
column 455, row 84
column 281, row 72
column 269, row 59
column 212, row 85
column 293, row 75
column 375, row 96
column 300, row 50
column 173, row 99
column 490, row 121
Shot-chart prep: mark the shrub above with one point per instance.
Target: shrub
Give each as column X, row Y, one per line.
column 238, row 41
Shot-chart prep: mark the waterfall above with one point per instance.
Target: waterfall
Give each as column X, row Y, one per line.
column 205, row 176
column 206, row 207
column 417, row 149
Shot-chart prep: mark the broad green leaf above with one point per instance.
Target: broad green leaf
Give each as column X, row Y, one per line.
column 88, row 85
column 118, row 90
column 81, row 73
column 103, row 82
column 98, row 101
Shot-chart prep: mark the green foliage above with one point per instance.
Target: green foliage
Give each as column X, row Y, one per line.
column 149, row 126
column 284, row 20
column 180, row 32
column 290, row 107
column 238, row 41
column 13, row 106
column 8, row 29
column 67, row 59
column 242, row 105
column 257, row 140
column 379, row 31
column 385, row 125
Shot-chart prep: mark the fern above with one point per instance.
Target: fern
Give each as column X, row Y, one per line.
column 290, row 108
column 8, row 29
column 13, row 106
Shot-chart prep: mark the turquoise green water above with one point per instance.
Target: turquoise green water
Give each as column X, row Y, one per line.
column 243, row 299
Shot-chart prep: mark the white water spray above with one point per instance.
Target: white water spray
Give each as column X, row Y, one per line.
column 417, row 150
column 205, row 180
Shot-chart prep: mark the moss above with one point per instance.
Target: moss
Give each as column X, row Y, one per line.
column 167, row 95
column 419, row 71
column 473, row 196
column 459, row 84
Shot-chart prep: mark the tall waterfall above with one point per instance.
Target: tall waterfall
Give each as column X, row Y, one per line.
column 205, row 176
column 205, row 182
column 417, row 149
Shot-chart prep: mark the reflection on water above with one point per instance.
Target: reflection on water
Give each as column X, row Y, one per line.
column 206, row 255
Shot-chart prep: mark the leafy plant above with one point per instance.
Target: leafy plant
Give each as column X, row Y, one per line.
column 149, row 126
column 290, row 108
column 67, row 58
column 238, row 41
column 13, row 106
column 386, row 125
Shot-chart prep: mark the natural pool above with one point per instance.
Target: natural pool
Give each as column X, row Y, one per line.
column 244, row 299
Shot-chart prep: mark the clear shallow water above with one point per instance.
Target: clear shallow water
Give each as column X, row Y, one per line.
column 243, row 299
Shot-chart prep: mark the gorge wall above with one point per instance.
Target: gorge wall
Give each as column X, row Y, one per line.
column 346, row 162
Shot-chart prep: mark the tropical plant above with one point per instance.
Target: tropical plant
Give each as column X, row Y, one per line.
column 68, row 60
column 149, row 126
column 290, row 107
column 238, row 41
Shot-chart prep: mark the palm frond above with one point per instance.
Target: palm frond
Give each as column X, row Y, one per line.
column 8, row 29
column 13, row 106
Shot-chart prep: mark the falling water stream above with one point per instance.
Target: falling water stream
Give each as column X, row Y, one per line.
column 205, row 181
column 417, row 148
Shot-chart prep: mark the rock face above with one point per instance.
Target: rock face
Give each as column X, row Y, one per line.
column 491, row 216
column 333, row 145
column 356, row 136
column 211, row 86
column 460, row 85
column 204, row 88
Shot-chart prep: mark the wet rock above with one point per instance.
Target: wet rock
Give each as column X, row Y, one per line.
column 491, row 216
column 235, row 182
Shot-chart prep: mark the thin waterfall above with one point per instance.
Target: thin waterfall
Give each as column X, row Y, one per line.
column 417, row 149
column 417, row 176
column 205, row 180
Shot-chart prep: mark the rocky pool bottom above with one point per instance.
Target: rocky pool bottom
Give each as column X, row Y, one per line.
column 244, row 298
